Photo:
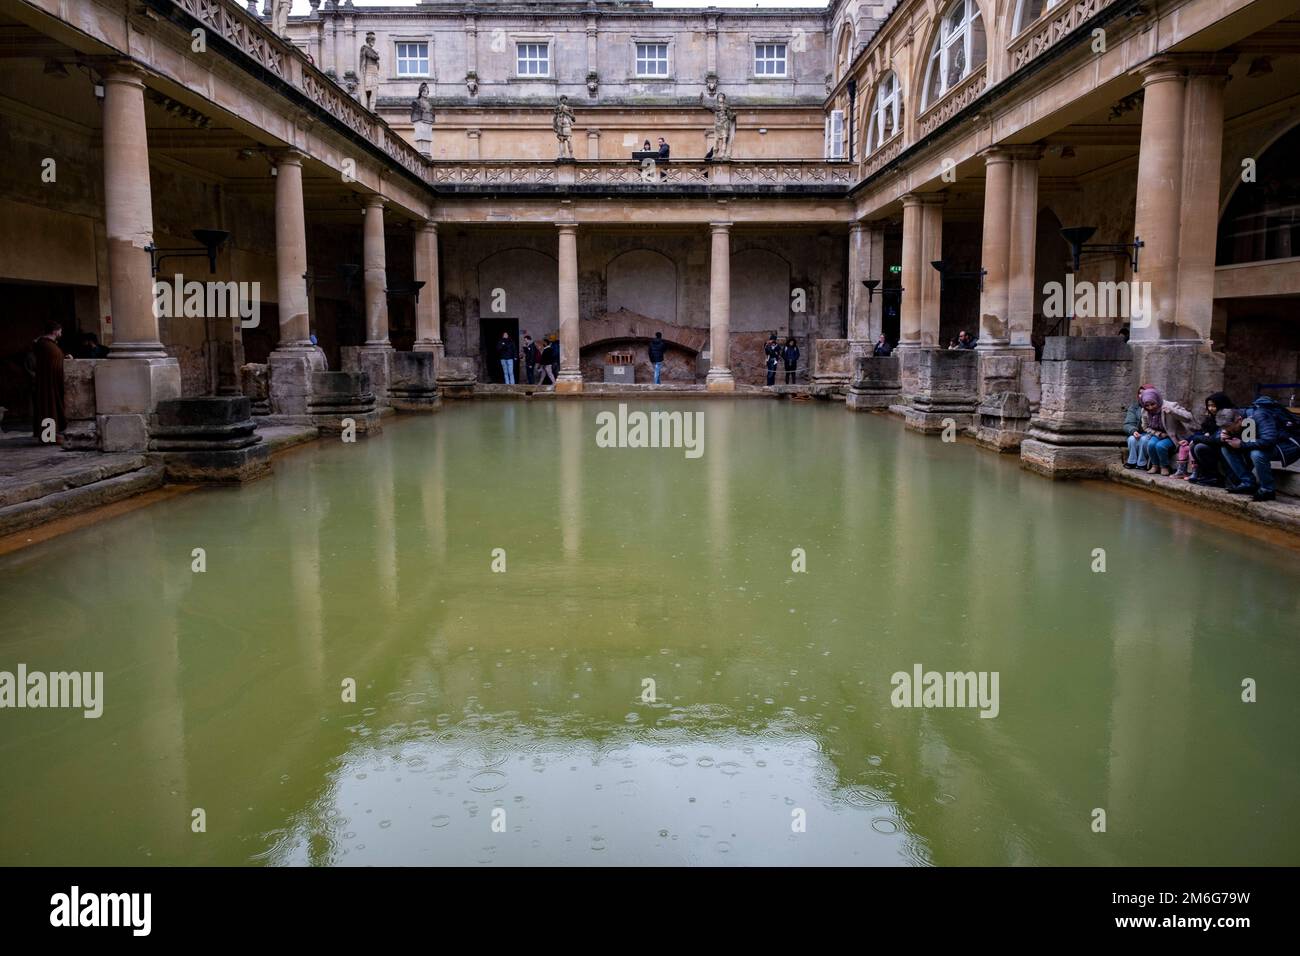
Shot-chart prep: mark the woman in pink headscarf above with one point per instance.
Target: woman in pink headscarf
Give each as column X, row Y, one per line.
column 1168, row 424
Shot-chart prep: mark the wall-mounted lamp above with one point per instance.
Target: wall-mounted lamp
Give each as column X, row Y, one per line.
column 406, row 288
column 1078, row 236
column 212, row 239
column 55, row 69
column 874, row 284
column 944, row 275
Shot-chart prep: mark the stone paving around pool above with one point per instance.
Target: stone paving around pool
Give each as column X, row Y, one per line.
column 1283, row 513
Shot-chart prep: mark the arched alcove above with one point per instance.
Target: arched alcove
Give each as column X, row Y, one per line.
column 521, row 284
column 644, row 282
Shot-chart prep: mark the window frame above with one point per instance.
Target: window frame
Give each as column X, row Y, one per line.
column 398, row 59
column 757, row 43
column 880, row 104
column 1019, row 24
column 945, row 42
column 546, row 45
column 662, row 41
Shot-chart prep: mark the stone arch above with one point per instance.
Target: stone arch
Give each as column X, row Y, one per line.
column 921, row 65
column 1285, row 138
column 529, row 279
column 626, row 326
column 760, row 290
column 843, row 49
column 644, row 282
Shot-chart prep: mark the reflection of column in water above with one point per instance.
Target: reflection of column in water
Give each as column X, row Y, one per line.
column 570, row 415
column 304, row 574
column 853, row 483
column 716, row 433
column 433, row 495
column 380, row 460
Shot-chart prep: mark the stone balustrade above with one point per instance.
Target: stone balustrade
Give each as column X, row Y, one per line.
column 759, row 176
column 1045, row 33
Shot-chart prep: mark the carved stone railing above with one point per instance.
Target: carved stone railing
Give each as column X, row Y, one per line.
column 229, row 20
column 954, row 101
column 489, row 175
column 883, row 156
column 1043, row 34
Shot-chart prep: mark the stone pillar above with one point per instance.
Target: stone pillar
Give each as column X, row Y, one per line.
column 875, row 269
column 859, row 332
column 1177, row 219
column 995, row 251
column 428, row 310
column 474, row 149
column 570, row 379
column 593, row 144
column 922, row 244
column 1021, row 263
column 720, row 378
column 291, row 365
column 128, row 389
column 374, row 357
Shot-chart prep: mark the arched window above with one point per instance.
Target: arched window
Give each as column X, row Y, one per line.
column 1262, row 221
column 1027, row 11
column 885, row 112
column 959, row 47
column 844, row 54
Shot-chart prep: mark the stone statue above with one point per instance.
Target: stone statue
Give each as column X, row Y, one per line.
column 471, row 82
column 593, row 83
column 422, row 117
column 563, row 126
column 369, row 72
column 724, row 126
column 280, row 17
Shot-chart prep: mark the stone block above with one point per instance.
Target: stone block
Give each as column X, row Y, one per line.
column 209, row 439
column 1186, row 372
column 125, row 432
column 832, row 366
column 339, row 397
column 1086, row 388
column 945, row 386
column 876, row 383
column 457, row 375
column 413, row 385
column 79, row 389
column 377, row 364
column 135, row 385
column 1002, row 420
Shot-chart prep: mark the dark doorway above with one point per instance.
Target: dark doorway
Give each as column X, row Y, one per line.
column 489, row 331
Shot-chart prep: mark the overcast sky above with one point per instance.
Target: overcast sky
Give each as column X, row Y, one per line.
column 302, row 6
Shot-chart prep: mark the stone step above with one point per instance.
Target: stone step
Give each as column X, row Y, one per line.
column 1284, row 513
column 82, row 497
column 32, row 472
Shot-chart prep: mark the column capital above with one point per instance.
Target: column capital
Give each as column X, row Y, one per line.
column 426, row 225
column 857, row 225
column 925, row 199
column 374, row 201
column 719, row 227
column 567, row 228
column 290, row 156
column 123, row 71
column 996, row 154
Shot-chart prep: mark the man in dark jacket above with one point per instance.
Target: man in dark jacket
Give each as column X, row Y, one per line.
column 507, row 352
column 791, row 355
column 530, row 356
column 657, row 348
column 772, row 358
column 1262, row 430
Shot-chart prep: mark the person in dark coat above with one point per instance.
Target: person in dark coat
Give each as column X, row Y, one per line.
column 530, row 356
column 507, row 352
column 664, row 148
column 657, row 348
column 1256, row 455
column 555, row 358
column 772, row 358
column 883, row 349
column 47, row 400
column 791, row 355
column 1207, row 445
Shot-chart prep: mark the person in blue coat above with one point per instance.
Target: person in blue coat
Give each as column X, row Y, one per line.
column 791, row 356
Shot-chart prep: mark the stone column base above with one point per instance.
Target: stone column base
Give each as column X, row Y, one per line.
column 1087, row 387
column 1002, row 420
column 569, row 382
column 377, row 362
column 209, row 439
column 832, row 367
column 944, row 390
column 875, row 384
column 340, row 397
column 414, row 385
column 719, row 379
column 127, row 390
column 255, row 384
column 289, row 372
column 82, row 430
column 456, row 376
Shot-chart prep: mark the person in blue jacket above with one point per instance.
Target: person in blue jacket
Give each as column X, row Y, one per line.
column 657, row 348
column 772, row 358
column 1255, row 452
column 791, row 356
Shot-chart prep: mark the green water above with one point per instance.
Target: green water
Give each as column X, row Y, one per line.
column 521, row 691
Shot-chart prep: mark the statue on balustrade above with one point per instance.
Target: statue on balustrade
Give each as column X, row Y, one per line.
column 280, row 18
column 369, row 72
column 563, row 126
column 422, row 117
column 724, row 126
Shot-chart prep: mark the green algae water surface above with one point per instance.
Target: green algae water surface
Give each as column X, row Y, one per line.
column 564, row 652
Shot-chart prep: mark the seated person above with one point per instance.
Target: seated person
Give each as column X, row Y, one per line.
column 1168, row 423
column 645, row 147
column 1207, row 446
column 883, row 347
column 663, row 148
column 1276, row 436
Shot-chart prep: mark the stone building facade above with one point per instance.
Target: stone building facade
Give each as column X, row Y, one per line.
column 870, row 141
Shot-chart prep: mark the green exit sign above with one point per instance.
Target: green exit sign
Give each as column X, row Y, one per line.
column 895, row 270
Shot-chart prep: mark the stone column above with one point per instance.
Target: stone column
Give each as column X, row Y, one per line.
column 570, row 379
column 859, row 332
column 875, row 269
column 931, row 251
column 128, row 389
column 1177, row 219
column 428, row 310
column 720, row 378
column 295, row 359
column 995, row 251
column 909, row 308
column 374, row 356
column 1021, row 291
